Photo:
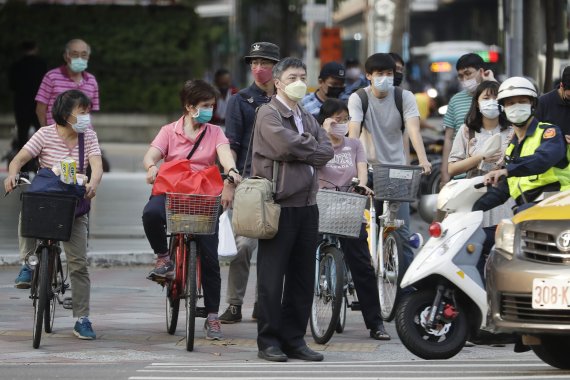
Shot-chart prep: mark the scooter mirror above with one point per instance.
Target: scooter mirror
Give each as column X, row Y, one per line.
column 428, row 207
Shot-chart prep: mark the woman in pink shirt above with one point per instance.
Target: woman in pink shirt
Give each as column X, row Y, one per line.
column 173, row 142
column 51, row 145
column 349, row 161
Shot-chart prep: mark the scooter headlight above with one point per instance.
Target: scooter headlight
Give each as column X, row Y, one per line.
column 505, row 238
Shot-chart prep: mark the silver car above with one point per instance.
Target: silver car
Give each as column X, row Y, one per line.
column 528, row 279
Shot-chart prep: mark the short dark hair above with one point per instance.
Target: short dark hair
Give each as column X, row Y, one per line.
column 474, row 118
column 565, row 78
column 286, row 63
column 196, row 91
column 66, row 102
column 220, row 72
column 329, row 108
column 397, row 58
column 379, row 62
column 470, row 60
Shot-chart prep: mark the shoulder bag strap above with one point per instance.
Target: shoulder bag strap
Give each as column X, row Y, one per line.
column 197, row 143
column 364, row 104
column 81, row 143
column 398, row 98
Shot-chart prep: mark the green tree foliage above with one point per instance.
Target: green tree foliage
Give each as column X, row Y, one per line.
column 141, row 56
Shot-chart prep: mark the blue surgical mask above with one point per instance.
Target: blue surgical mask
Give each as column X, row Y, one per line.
column 83, row 122
column 78, row 65
column 383, row 83
column 203, row 115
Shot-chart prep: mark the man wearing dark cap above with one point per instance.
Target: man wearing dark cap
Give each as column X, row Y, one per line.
column 331, row 85
column 554, row 106
column 240, row 116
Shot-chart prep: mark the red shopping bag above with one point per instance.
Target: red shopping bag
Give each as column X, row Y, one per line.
column 177, row 177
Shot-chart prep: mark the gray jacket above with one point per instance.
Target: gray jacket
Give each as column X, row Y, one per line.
column 276, row 138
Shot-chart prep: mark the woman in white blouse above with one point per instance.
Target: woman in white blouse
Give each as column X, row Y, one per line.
column 483, row 121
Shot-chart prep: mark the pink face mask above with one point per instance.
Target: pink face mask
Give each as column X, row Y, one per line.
column 262, row 74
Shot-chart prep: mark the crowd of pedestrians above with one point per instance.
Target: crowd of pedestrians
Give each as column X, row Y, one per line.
column 351, row 120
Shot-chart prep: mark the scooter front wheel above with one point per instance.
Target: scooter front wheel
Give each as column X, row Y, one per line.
column 389, row 282
column 442, row 341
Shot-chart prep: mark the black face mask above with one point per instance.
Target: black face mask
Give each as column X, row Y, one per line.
column 398, row 78
column 334, row 92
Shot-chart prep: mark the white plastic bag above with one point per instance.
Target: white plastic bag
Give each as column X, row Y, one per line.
column 226, row 240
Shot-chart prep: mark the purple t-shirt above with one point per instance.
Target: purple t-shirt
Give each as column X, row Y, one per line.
column 342, row 168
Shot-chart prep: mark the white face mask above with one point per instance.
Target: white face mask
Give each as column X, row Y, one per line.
column 339, row 130
column 489, row 108
column 83, row 122
column 518, row 113
column 296, row 90
column 470, row 85
column 383, row 83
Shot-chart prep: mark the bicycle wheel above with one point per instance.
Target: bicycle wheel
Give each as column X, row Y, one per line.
column 191, row 295
column 328, row 299
column 49, row 314
column 389, row 281
column 41, row 295
column 173, row 288
column 342, row 317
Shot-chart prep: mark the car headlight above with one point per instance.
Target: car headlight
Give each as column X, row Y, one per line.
column 505, row 238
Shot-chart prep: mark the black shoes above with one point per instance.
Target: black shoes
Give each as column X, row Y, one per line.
column 273, row 354
column 379, row 333
column 304, row 353
column 231, row 315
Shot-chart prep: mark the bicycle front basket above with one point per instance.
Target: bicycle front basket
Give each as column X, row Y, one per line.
column 191, row 213
column 47, row 215
column 396, row 182
column 340, row 213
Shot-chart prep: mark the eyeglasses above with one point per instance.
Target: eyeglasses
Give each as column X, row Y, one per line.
column 338, row 120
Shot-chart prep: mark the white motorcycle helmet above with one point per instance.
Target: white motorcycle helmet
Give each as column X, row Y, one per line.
column 516, row 86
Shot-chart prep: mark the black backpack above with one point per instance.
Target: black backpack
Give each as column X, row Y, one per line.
column 397, row 98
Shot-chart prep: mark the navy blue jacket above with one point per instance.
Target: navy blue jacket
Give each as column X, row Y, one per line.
column 240, row 117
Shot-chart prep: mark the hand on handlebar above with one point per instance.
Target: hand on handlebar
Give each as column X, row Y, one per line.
column 363, row 190
column 10, row 183
column 426, row 167
column 494, row 176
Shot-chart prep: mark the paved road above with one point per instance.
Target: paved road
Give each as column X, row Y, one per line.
column 128, row 316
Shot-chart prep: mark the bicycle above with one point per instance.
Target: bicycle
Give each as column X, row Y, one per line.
column 187, row 215
column 49, row 218
column 340, row 215
column 392, row 184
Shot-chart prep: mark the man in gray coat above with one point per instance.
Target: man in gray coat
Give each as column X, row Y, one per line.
column 286, row 133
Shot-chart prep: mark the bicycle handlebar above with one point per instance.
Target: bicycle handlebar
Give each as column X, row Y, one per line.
column 21, row 179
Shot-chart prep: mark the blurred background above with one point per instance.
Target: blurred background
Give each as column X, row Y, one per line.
column 143, row 50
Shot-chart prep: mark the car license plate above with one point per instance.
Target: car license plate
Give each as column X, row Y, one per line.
column 550, row 293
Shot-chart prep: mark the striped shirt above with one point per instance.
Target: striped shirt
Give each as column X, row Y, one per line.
column 51, row 149
column 57, row 81
column 457, row 110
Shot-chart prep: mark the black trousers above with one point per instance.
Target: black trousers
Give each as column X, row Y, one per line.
column 357, row 256
column 154, row 222
column 285, row 279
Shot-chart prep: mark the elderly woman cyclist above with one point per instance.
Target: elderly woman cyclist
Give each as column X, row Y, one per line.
column 175, row 141
column 52, row 144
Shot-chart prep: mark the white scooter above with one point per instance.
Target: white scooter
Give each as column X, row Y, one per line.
column 449, row 305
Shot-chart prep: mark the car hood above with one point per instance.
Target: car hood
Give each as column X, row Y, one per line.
column 556, row 207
